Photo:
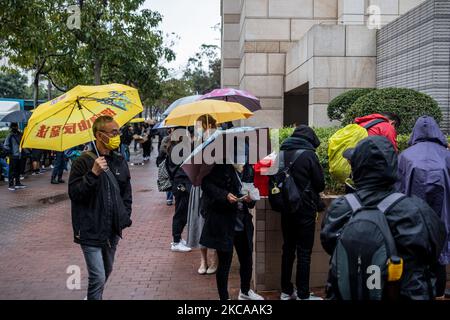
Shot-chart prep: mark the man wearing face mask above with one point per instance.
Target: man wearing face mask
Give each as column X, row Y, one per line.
column 100, row 191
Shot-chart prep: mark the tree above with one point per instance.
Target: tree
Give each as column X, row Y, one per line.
column 33, row 36
column 203, row 69
column 119, row 43
column 171, row 90
column 116, row 43
column 13, row 84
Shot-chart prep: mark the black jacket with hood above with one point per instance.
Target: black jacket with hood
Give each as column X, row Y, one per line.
column 306, row 170
column 98, row 212
column 418, row 233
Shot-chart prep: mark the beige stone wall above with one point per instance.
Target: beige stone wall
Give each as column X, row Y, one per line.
column 268, row 244
column 270, row 47
column 332, row 59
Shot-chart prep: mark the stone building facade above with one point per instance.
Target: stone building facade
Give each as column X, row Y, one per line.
column 297, row 55
column 414, row 52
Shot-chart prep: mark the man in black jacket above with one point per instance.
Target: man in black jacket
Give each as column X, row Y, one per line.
column 298, row 228
column 100, row 191
column 418, row 233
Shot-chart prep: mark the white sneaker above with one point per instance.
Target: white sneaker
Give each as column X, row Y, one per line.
column 251, row 295
column 180, row 247
column 311, row 297
column 285, row 296
column 183, row 242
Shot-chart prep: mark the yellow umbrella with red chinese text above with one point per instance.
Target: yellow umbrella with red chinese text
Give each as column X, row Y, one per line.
column 67, row 120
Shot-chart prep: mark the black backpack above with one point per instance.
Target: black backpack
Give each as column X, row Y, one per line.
column 284, row 195
column 364, row 249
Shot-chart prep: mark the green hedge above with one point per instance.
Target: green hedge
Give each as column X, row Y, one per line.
column 339, row 105
column 408, row 104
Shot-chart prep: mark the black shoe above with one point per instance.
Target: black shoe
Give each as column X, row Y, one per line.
column 20, row 186
column 54, row 181
column 61, row 181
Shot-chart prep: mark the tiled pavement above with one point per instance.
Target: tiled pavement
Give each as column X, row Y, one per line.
column 36, row 247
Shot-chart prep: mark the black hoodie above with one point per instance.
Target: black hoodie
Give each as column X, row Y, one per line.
column 307, row 168
column 418, row 233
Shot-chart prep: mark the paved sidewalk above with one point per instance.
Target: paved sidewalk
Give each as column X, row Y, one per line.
column 36, row 247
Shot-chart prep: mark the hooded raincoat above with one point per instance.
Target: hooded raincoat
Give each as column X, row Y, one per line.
column 417, row 230
column 424, row 172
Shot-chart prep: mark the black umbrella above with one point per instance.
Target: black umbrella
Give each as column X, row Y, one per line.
column 17, row 116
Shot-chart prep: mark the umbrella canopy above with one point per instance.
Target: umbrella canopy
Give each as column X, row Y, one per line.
column 201, row 161
column 66, row 121
column 187, row 115
column 180, row 102
column 137, row 120
column 245, row 98
column 17, row 116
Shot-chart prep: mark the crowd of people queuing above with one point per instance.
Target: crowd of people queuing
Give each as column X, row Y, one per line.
column 411, row 190
column 416, row 210
column 16, row 163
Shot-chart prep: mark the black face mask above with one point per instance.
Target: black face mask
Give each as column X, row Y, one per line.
column 14, row 130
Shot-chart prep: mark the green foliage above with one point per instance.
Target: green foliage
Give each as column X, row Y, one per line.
column 3, row 134
column 408, row 104
column 13, row 84
column 172, row 90
column 117, row 42
column 203, row 70
column 339, row 105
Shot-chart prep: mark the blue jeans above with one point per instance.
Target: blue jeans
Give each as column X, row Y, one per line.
column 4, row 168
column 99, row 262
column 169, row 196
column 60, row 163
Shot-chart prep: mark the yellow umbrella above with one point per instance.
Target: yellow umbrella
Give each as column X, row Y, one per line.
column 222, row 111
column 66, row 121
column 137, row 120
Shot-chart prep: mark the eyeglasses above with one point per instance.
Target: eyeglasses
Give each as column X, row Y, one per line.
column 112, row 134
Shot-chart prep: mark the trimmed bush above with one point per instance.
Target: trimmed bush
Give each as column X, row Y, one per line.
column 339, row 105
column 408, row 104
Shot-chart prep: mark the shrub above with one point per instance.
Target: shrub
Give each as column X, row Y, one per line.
column 339, row 105
column 408, row 104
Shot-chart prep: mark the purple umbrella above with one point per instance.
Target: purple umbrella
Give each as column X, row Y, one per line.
column 245, row 98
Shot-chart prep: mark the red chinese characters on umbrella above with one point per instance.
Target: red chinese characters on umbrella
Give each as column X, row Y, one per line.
column 71, row 128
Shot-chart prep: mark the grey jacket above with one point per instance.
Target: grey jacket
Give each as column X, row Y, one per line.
column 12, row 144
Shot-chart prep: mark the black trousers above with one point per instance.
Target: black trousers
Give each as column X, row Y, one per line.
column 147, row 148
column 298, row 239
column 15, row 166
column 244, row 253
column 181, row 212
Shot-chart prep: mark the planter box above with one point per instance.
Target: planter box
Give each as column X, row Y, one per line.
column 268, row 249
